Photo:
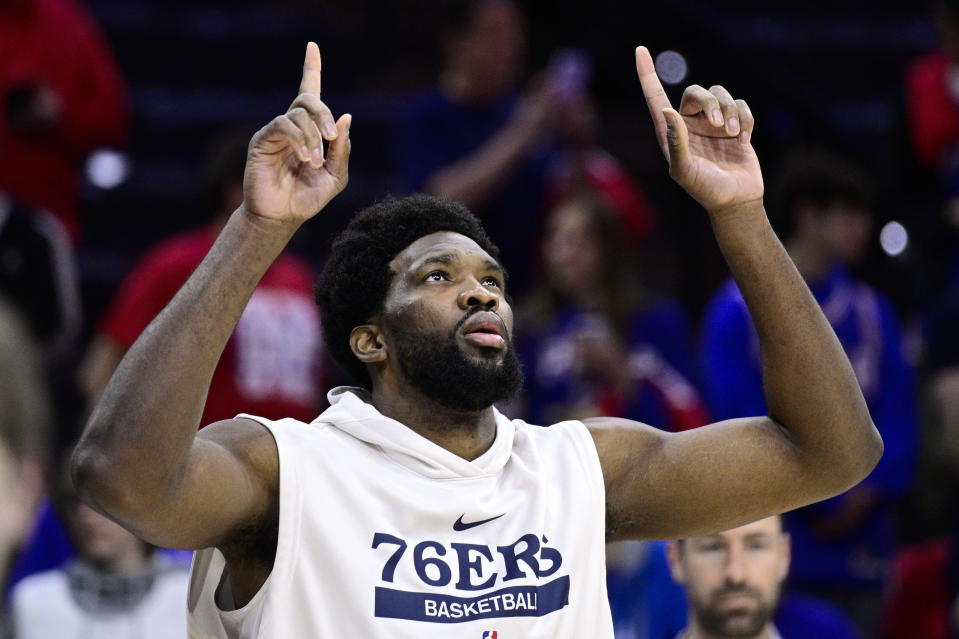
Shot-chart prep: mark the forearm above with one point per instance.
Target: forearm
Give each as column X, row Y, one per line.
column 809, row 385
column 477, row 177
column 142, row 427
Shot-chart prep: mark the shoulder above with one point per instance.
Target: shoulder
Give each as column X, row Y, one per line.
column 727, row 299
column 801, row 615
column 925, row 560
column 927, row 70
column 872, row 305
column 292, row 272
column 605, row 431
column 175, row 253
column 560, row 440
column 250, row 440
column 40, row 588
column 568, row 429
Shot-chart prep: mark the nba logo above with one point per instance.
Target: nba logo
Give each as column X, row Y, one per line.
column 490, row 634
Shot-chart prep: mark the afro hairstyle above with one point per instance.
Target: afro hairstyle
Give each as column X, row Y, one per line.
column 356, row 277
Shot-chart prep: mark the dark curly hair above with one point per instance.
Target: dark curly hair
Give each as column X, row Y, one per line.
column 355, row 279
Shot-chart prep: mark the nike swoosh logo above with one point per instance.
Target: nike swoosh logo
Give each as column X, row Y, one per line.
column 459, row 525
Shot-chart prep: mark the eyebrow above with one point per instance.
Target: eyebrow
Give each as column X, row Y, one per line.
column 759, row 536
column 446, row 259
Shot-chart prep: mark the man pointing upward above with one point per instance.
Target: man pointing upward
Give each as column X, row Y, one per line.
column 411, row 507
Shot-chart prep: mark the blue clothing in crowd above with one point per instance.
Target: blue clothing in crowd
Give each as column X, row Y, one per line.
column 46, row 548
column 437, row 132
column 868, row 329
column 659, row 359
column 650, row 605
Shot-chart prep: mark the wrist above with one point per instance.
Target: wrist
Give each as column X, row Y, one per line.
column 738, row 210
column 265, row 227
column 738, row 215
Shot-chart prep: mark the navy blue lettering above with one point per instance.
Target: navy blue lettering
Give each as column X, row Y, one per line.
column 551, row 555
column 421, row 563
column 468, row 566
column 516, row 601
column 390, row 568
column 527, row 556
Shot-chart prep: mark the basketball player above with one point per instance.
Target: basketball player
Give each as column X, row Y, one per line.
column 412, row 508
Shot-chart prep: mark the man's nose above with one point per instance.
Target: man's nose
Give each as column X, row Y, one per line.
column 478, row 295
column 736, row 567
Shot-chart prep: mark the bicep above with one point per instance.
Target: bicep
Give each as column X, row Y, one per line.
column 229, row 482
column 663, row 485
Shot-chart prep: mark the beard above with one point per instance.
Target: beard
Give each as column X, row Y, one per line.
column 438, row 367
column 734, row 625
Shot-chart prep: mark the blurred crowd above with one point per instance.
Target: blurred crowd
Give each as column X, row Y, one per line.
column 603, row 326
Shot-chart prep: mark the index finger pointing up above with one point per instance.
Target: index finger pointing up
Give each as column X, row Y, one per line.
column 656, row 98
column 311, row 70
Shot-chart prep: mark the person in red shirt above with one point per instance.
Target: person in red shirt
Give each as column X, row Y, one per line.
column 273, row 365
column 921, row 598
column 61, row 96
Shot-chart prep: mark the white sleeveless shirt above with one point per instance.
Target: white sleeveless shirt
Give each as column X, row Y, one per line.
column 383, row 533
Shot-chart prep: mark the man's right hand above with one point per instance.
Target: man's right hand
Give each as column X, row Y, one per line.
column 287, row 178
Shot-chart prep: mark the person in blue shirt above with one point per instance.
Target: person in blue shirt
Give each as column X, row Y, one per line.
column 475, row 137
column 733, row 583
column 842, row 546
column 596, row 342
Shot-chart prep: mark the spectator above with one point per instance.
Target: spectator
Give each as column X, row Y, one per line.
column 597, row 344
column 24, row 424
column 273, row 364
column 842, row 546
column 922, row 593
column 936, row 491
column 922, row 596
column 117, row 587
column 38, row 274
column 932, row 95
column 61, row 96
column 932, row 116
column 644, row 601
column 733, row 582
column 473, row 139
column 579, row 163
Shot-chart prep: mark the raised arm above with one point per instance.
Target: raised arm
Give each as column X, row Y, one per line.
column 480, row 175
column 140, row 459
column 818, row 439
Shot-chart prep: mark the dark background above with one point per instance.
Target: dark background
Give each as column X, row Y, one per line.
column 821, row 73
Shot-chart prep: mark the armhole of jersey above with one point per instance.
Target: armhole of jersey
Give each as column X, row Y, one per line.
column 209, row 563
column 287, row 539
column 590, row 457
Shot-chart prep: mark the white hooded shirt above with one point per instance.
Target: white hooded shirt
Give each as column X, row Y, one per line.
column 383, row 533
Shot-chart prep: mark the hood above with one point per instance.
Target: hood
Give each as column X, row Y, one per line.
column 351, row 411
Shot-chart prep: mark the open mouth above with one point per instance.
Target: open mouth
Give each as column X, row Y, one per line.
column 485, row 331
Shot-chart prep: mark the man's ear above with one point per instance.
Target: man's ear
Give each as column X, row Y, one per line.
column 787, row 554
column 674, row 552
column 367, row 344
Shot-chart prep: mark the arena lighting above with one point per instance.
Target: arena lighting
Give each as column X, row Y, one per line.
column 893, row 238
column 671, row 67
column 107, row 169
